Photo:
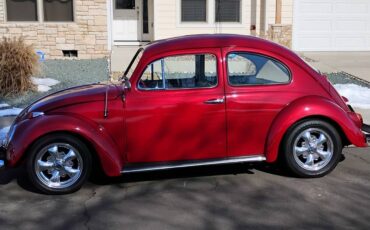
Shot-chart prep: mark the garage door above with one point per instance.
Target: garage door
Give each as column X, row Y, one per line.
column 328, row 25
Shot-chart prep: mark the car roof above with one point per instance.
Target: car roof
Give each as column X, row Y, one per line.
column 215, row 41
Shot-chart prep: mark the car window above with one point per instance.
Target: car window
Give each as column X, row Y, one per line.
column 254, row 69
column 181, row 72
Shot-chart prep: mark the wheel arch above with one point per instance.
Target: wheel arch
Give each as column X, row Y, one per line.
column 311, row 107
column 326, row 119
column 92, row 150
column 96, row 138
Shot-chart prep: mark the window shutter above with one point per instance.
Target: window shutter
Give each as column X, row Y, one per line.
column 227, row 10
column 194, row 10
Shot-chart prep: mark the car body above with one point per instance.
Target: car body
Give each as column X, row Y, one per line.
column 192, row 100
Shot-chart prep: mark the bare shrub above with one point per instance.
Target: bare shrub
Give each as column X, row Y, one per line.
column 18, row 62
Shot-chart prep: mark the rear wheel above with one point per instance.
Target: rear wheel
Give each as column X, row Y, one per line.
column 312, row 148
column 59, row 164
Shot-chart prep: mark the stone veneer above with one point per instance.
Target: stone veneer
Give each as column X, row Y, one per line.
column 88, row 33
column 281, row 34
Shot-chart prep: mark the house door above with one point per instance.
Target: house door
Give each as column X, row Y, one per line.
column 126, row 20
column 131, row 20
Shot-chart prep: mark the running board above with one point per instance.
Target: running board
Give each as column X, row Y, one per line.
column 134, row 168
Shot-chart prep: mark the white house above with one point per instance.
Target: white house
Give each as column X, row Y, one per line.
column 115, row 28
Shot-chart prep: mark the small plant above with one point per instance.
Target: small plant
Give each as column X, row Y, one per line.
column 18, row 62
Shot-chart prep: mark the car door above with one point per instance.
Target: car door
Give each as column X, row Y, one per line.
column 175, row 109
column 258, row 87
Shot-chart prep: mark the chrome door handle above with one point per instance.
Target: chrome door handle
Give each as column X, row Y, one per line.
column 215, row 101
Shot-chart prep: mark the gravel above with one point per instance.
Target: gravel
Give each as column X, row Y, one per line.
column 68, row 72
column 345, row 78
column 80, row 72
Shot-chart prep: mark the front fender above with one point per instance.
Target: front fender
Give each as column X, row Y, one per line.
column 308, row 107
column 28, row 131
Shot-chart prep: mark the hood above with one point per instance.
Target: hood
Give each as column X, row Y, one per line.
column 76, row 95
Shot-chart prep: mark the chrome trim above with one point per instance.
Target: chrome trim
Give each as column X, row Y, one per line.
column 37, row 114
column 366, row 130
column 215, row 101
column 2, row 157
column 177, row 165
column 313, row 149
column 174, row 89
column 58, row 165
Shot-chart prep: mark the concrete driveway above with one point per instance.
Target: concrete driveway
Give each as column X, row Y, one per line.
column 232, row 197
column 354, row 63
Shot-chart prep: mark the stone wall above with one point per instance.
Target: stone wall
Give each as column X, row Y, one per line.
column 281, row 34
column 88, row 33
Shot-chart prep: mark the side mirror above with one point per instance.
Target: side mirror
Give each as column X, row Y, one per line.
column 126, row 83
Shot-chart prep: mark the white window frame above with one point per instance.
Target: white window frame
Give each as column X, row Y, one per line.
column 40, row 14
column 211, row 17
column 240, row 13
column 194, row 22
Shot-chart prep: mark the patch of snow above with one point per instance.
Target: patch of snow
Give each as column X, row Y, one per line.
column 45, row 81
column 358, row 96
column 10, row 112
column 43, row 88
column 3, row 105
column 3, row 133
column 44, row 84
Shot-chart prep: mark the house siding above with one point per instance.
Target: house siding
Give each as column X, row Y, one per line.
column 88, row 33
column 286, row 12
column 167, row 21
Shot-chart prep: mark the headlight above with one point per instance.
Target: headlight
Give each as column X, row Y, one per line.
column 20, row 118
column 9, row 135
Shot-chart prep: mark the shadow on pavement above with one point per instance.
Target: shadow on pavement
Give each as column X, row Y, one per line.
column 203, row 171
column 99, row 178
column 20, row 175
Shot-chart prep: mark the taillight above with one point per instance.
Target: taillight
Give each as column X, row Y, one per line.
column 345, row 99
column 357, row 118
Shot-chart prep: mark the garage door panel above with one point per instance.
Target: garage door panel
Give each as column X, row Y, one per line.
column 329, row 25
column 315, row 25
column 315, row 7
column 309, row 42
column 350, row 42
column 349, row 25
column 350, row 8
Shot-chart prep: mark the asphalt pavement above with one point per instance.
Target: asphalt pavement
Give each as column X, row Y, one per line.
column 238, row 196
column 241, row 196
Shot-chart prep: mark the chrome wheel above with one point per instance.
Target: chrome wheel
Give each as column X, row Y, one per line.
column 58, row 165
column 313, row 149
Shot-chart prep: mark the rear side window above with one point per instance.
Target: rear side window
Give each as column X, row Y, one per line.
column 180, row 72
column 253, row 69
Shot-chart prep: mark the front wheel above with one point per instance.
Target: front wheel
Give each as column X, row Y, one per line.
column 59, row 164
column 312, row 148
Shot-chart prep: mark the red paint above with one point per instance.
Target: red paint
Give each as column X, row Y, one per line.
column 170, row 125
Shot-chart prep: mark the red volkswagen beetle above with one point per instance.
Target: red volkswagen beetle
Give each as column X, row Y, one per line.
column 183, row 102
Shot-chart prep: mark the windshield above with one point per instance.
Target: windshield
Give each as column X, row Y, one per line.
column 135, row 60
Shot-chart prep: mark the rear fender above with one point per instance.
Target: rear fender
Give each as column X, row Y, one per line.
column 28, row 131
column 307, row 107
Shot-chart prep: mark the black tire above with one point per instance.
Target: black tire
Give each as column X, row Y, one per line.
column 65, row 142
column 299, row 164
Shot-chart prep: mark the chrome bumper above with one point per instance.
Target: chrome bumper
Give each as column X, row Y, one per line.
column 366, row 129
column 2, row 157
